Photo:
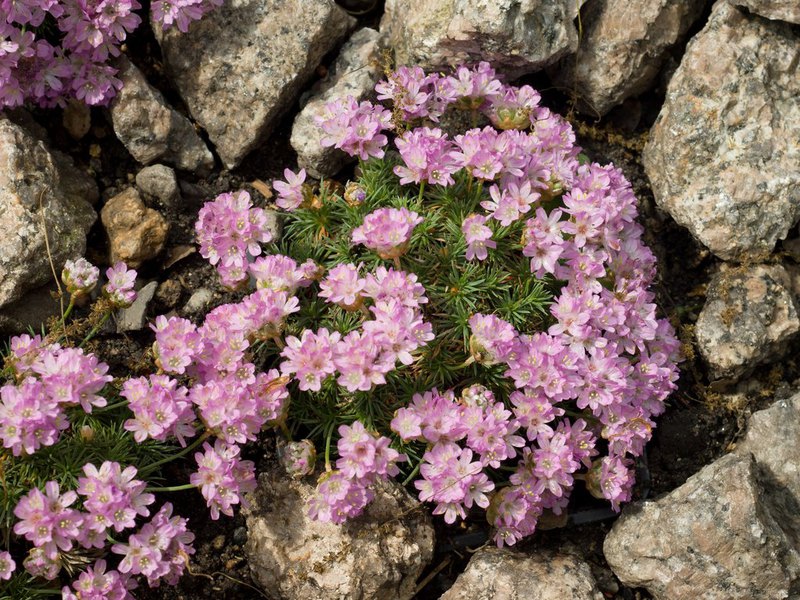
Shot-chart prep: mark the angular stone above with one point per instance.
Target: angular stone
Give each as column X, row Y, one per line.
column 780, row 10
column 623, row 47
column 716, row 537
column 355, row 73
column 749, row 316
column 379, row 554
column 516, row 36
column 135, row 233
column 722, row 156
column 150, row 129
column 159, row 181
column 511, row 575
column 134, row 317
column 245, row 63
column 35, row 184
column 773, row 438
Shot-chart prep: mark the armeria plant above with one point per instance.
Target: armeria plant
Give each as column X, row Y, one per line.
column 54, row 50
column 471, row 310
column 83, row 455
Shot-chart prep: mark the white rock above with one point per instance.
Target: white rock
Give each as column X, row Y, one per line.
column 781, row 10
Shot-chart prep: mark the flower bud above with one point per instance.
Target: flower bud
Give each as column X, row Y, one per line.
column 79, row 276
column 299, row 458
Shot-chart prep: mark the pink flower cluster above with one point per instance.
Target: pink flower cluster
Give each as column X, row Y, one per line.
column 79, row 276
column 230, row 231
column 49, row 380
column 364, row 356
column 88, row 31
column 112, row 499
column 222, row 478
column 119, row 289
column 363, row 460
column 387, row 231
column 355, row 128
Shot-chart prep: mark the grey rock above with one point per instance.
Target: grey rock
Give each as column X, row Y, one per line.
column 198, row 301
column 245, row 63
column 135, row 233
column 773, row 438
column 516, row 36
column 134, row 317
column 719, row 536
column 722, row 155
column 159, row 181
column 624, row 45
column 379, row 554
column 780, row 10
column 749, row 316
column 355, row 73
column 35, row 184
column 152, row 130
column 511, row 575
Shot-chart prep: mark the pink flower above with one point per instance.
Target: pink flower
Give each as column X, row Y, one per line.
column 290, row 192
column 343, row 286
column 387, row 231
column 119, row 288
column 428, row 156
column 223, row 479
column 7, row 565
column 310, row 358
column 478, row 236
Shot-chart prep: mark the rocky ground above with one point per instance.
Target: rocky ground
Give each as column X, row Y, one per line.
column 695, row 100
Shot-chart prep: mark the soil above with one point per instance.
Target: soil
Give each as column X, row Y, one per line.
column 701, row 422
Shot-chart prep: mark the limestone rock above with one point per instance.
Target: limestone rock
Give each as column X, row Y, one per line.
column 377, row 555
column 135, row 233
column 516, row 36
column 31, row 174
column 244, row 64
column 355, row 73
column 510, row 575
column 722, row 156
column 159, row 181
column 749, row 316
column 623, row 47
column 717, row 537
column 781, row 10
column 150, row 129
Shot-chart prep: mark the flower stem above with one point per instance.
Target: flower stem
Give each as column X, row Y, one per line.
column 172, row 488
column 152, row 466
column 96, row 328
column 421, row 189
column 328, row 437
column 411, row 475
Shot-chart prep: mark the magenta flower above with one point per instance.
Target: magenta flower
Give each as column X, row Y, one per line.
column 46, row 520
column 96, row 582
column 223, row 479
column 428, row 156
